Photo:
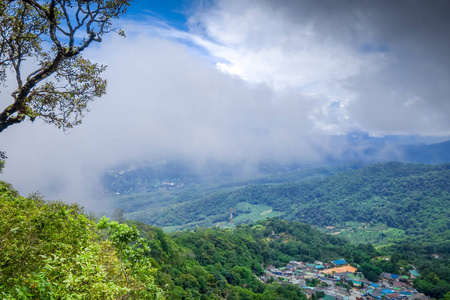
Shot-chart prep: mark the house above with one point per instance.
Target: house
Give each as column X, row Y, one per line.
column 417, row 297
column 414, row 273
column 386, row 276
column 339, row 262
column 329, row 282
column 399, row 284
column 290, row 267
column 395, row 296
column 296, row 263
column 308, row 291
column 357, row 277
column 376, row 294
column 274, row 270
column 299, row 282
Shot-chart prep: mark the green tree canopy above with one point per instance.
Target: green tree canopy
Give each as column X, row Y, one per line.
column 53, row 250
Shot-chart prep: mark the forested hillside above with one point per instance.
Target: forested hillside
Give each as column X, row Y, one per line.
column 412, row 198
column 220, row 262
column 214, row 261
column 164, row 183
column 54, row 250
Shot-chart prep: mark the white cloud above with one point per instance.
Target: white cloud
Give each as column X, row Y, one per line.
column 252, row 80
column 162, row 101
column 261, row 45
column 391, row 68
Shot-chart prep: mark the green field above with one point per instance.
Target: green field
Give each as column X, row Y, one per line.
column 243, row 213
column 254, row 213
column 363, row 233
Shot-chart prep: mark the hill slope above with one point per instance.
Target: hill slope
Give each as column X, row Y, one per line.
column 52, row 250
column 412, row 198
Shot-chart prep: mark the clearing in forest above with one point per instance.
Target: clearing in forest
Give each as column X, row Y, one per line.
column 340, row 270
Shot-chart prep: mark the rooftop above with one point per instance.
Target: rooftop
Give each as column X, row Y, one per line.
column 339, row 262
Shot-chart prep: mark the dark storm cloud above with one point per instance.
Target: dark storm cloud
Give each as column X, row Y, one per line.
column 390, row 56
column 410, row 93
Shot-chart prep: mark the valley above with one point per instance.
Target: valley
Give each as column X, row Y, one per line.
column 377, row 203
column 243, row 150
column 386, row 219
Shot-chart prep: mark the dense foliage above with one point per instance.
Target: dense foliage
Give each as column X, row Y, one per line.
column 413, row 198
column 410, row 201
column 53, row 250
column 211, row 262
column 434, row 277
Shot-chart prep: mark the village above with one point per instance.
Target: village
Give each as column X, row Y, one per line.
column 337, row 280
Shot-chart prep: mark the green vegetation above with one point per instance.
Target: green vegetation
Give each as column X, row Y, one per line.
column 376, row 233
column 249, row 213
column 210, row 262
column 143, row 189
column 53, row 250
column 243, row 213
column 400, row 198
column 2, row 160
column 44, row 61
column 401, row 206
column 276, row 242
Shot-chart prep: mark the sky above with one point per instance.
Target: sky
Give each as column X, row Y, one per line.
column 243, row 81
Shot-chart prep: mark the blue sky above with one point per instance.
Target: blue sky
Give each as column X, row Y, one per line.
column 241, row 81
column 171, row 11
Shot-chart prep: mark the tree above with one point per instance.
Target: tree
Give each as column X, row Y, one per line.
column 118, row 215
column 447, row 296
column 370, row 271
column 320, row 294
column 2, row 160
column 135, row 261
column 53, row 250
column 49, row 36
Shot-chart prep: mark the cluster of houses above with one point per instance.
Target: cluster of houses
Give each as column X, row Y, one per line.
column 335, row 278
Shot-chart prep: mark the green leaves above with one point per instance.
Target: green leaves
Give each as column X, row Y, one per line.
column 135, row 261
column 64, row 100
column 62, row 83
column 121, row 235
column 52, row 250
column 2, row 160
